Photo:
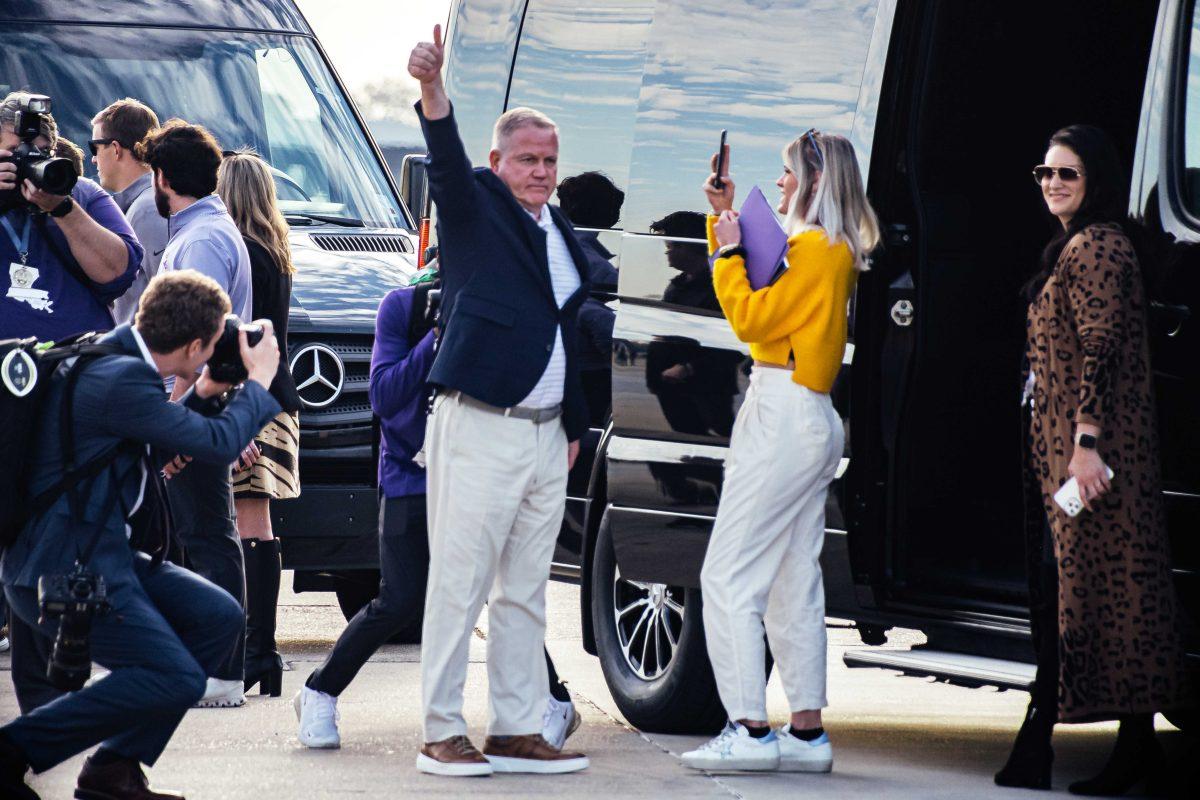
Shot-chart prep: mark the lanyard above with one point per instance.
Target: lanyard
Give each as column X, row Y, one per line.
column 22, row 243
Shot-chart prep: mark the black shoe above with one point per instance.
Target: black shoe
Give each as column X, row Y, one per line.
column 1030, row 762
column 1136, row 757
column 264, row 666
column 13, row 767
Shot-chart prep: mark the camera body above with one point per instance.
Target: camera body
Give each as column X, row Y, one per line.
column 74, row 599
column 225, row 365
column 42, row 169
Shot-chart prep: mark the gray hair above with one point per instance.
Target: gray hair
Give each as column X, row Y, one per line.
column 516, row 118
column 11, row 106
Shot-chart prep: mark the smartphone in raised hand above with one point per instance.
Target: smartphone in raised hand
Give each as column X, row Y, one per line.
column 722, row 155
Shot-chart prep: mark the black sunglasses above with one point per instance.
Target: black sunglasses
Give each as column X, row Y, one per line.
column 95, row 144
column 1043, row 173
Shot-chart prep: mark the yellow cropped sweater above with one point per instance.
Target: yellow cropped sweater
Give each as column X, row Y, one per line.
column 803, row 315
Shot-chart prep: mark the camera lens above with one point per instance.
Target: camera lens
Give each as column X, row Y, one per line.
column 54, row 175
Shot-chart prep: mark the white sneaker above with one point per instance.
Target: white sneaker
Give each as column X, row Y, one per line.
column 222, row 694
column 4, row 645
column 559, row 721
column 318, row 717
column 797, row 755
column 734, row 748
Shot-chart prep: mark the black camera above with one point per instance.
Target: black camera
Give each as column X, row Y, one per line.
column 42, row 169
column 226, row 365
column 74, row 599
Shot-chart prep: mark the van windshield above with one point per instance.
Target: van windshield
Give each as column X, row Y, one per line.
column 271, row 92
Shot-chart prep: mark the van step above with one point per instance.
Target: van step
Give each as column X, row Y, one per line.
column 957, row 668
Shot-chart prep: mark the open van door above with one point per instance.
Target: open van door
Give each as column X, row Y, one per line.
column 936, row 538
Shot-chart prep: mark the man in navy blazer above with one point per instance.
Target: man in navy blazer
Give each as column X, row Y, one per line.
column 167, row 628
column 503, row 431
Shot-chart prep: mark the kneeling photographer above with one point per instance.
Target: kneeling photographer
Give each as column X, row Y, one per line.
column 66, row 250
column 160, row 629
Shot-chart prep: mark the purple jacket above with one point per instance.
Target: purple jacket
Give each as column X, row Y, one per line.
column 398, row 391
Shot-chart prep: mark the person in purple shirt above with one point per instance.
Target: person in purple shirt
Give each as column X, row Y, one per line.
column 62, row 259
column 401, row 359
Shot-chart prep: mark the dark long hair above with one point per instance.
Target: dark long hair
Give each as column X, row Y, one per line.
column 1103, row 200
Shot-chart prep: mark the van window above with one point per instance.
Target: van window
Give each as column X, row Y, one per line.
column 271, row 92
column 581, row 64
column 766, row 72
column 1191, row 122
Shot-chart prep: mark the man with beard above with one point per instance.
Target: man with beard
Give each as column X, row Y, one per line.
column 203, row 237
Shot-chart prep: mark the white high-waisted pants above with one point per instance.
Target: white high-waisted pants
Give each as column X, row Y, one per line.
column 497, row 488
column 763, row 557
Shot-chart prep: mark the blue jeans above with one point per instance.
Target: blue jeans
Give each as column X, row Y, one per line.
column 166, row 632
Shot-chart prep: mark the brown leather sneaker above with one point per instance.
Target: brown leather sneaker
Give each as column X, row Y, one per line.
column 120, row 780
column 455, row 757
column 531, row 753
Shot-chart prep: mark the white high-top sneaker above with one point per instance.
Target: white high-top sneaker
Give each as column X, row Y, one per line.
column 220, row 693
column 318, row 717
column 734, row 748
column 559, row 721
column 797, row 755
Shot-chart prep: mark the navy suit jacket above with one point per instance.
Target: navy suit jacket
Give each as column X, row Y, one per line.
column 499, row 314
column 118, row 398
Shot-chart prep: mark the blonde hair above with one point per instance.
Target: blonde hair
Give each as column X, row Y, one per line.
column 245, row 184
column 827, row 171
column 516, row 118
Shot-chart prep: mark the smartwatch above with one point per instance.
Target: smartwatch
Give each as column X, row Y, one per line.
column 63, row 208
column 1086, row 440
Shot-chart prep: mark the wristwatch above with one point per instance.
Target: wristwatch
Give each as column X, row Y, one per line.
column 1086, row 440
column 731, row 250
column 63, row 208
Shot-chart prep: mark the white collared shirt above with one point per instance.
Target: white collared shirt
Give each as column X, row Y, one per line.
column 141, row 343
column 564, row 278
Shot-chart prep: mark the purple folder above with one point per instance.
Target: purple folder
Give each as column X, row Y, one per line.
column 764, row 239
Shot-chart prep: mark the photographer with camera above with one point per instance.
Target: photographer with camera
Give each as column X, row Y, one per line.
column 184, row 160
column 160, row 629
column 66, row 250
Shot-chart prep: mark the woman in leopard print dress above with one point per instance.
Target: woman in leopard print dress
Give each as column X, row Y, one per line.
column 1104, row 579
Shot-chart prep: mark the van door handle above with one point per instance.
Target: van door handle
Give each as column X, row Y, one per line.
column 902, row 313
column 1173, row 316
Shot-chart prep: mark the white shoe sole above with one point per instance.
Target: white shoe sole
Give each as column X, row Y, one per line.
column 431, row 766
column 318, row 744
column 534, row 766
column 221, row 702
column 732, row 764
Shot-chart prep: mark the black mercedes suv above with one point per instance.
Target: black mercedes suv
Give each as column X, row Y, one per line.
column 948, row 104
column 253, row 73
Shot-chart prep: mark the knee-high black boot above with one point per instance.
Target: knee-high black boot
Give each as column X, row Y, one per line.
column 263, row 663
column 1032, row 757
column 1137, row 756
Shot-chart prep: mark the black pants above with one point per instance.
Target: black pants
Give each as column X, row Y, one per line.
column 1043, row 612
column 403, row 569
column 202, row 508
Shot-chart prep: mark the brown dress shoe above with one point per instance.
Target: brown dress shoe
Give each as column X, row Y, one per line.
column 119, row 780
column 531, row 753
column 455, row 757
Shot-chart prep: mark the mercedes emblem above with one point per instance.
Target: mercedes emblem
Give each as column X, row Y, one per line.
column 318, row 369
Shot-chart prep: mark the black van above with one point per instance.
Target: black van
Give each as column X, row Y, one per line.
column 253, row 73
column 949, row 105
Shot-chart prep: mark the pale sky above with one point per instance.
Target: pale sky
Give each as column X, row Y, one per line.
column 368, row 41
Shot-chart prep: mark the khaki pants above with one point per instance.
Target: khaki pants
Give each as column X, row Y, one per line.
column 763, row 559
column 496, row 496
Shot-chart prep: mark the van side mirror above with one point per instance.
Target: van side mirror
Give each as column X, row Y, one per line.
column 414, row 184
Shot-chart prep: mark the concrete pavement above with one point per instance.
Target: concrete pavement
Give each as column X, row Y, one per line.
column 894, row 737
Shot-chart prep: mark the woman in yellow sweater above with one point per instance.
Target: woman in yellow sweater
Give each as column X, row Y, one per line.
column 762, row 564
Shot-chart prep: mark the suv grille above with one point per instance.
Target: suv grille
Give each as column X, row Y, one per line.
column 362, row 243
column 337, row 441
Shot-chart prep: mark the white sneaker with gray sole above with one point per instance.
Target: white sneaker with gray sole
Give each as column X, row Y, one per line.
column 798, row 755
column 318, row 716
column 222, row 694
column 735, row 749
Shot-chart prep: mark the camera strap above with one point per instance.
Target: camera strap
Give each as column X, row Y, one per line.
column 21, row 243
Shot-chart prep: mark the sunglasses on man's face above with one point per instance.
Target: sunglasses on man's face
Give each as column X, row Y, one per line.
column 95, row 144
column 1043, row 173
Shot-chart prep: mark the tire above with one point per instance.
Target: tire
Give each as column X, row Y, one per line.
column 355, row 592
column 667, row 691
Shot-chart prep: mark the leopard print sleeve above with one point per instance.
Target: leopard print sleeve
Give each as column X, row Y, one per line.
column 1098, row 267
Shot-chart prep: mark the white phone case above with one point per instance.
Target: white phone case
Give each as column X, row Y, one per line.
column 1068, row 497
